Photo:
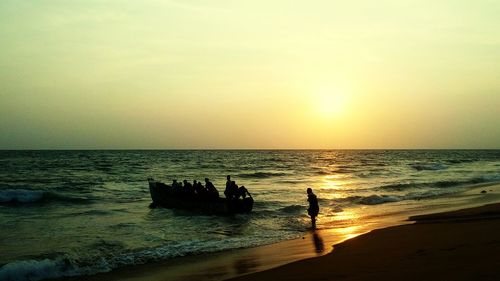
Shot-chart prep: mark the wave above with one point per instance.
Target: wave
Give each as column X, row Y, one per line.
column 322, row 172
column 378, row 199
column 292, row 181
column 428, row 166
column 373, row 199
column 438, row 188
column 21, row 196
column 261, row 175
column 33, row 270
column 24, row 196
column 459, row 161
column 109, row 258
column 344, row 171
column 292, row 209
column 440, row 184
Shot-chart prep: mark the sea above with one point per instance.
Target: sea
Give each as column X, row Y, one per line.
column 74, row 213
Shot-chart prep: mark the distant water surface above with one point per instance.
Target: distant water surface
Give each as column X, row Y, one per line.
column 67, row 213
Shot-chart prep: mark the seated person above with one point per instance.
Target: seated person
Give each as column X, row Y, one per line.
column 211, row 190
column 243, row 192
column 199, row 189
column 176, row 187
column 188, row 188
column 234, row 190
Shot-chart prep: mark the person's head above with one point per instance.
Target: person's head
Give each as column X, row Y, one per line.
column 228, row 177
column 309, row 190
column 194, row 181
column 185, row 181
column 206, row 179
column 174, row 181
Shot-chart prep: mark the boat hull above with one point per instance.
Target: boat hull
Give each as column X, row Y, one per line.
column 219, row 206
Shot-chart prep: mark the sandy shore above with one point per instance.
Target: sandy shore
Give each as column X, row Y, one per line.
column 457, row 245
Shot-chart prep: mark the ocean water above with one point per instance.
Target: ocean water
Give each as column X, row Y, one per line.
column 71, row 213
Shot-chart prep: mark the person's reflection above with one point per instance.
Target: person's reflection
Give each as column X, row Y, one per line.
column 318, row 243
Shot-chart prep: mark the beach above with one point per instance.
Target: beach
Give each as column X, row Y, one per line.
column 459, row 245
column 455, row 244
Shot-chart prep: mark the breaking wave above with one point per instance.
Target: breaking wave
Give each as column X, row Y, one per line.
column 378, row 199
column 440, row 184
column 20, row 196
column 67, row 266
column 33, row 270
column 24, row 196
column 428, row 166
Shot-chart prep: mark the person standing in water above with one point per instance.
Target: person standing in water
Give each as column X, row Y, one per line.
column 313, row 209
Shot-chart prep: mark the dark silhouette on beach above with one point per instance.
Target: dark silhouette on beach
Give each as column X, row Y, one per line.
column 313, row 209
column 319, row 246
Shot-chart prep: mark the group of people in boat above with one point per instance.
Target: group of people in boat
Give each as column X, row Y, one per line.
column 194, row 190
column 232, row 192
column 207, row 191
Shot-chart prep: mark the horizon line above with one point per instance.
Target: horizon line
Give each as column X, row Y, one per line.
column 230, row 149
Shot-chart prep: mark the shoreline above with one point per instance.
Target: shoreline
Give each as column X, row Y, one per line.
column 455, row 245
column 240, row 262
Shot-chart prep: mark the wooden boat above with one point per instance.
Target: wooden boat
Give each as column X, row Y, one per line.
column 162, row 196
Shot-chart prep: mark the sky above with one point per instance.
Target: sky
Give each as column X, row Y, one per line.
column 217, row 74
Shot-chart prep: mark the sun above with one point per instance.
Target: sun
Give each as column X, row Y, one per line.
column 330, row 103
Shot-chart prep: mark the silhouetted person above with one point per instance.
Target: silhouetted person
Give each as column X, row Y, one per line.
column 200, row 190
column 176, row 187
column 227, row 191
column 233, row 189
column 188, row 188
column 313, row 209
column 212, row 191
column 243, row 192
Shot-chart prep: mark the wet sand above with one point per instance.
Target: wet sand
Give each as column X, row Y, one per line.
column 227, row 264
column 457, row 245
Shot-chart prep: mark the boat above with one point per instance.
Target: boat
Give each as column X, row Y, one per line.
column 163, row 197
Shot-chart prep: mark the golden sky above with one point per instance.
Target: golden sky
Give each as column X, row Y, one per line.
column 249, row 74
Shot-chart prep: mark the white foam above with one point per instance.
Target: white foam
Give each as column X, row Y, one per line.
column 34, row 270
column 31, row 270
column 20, row 195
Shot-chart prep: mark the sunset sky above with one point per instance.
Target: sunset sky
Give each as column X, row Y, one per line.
column 249, row 74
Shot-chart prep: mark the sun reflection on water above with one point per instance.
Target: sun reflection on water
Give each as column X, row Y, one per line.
column 334, row 186
column 345, row 225
column 349, row 232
